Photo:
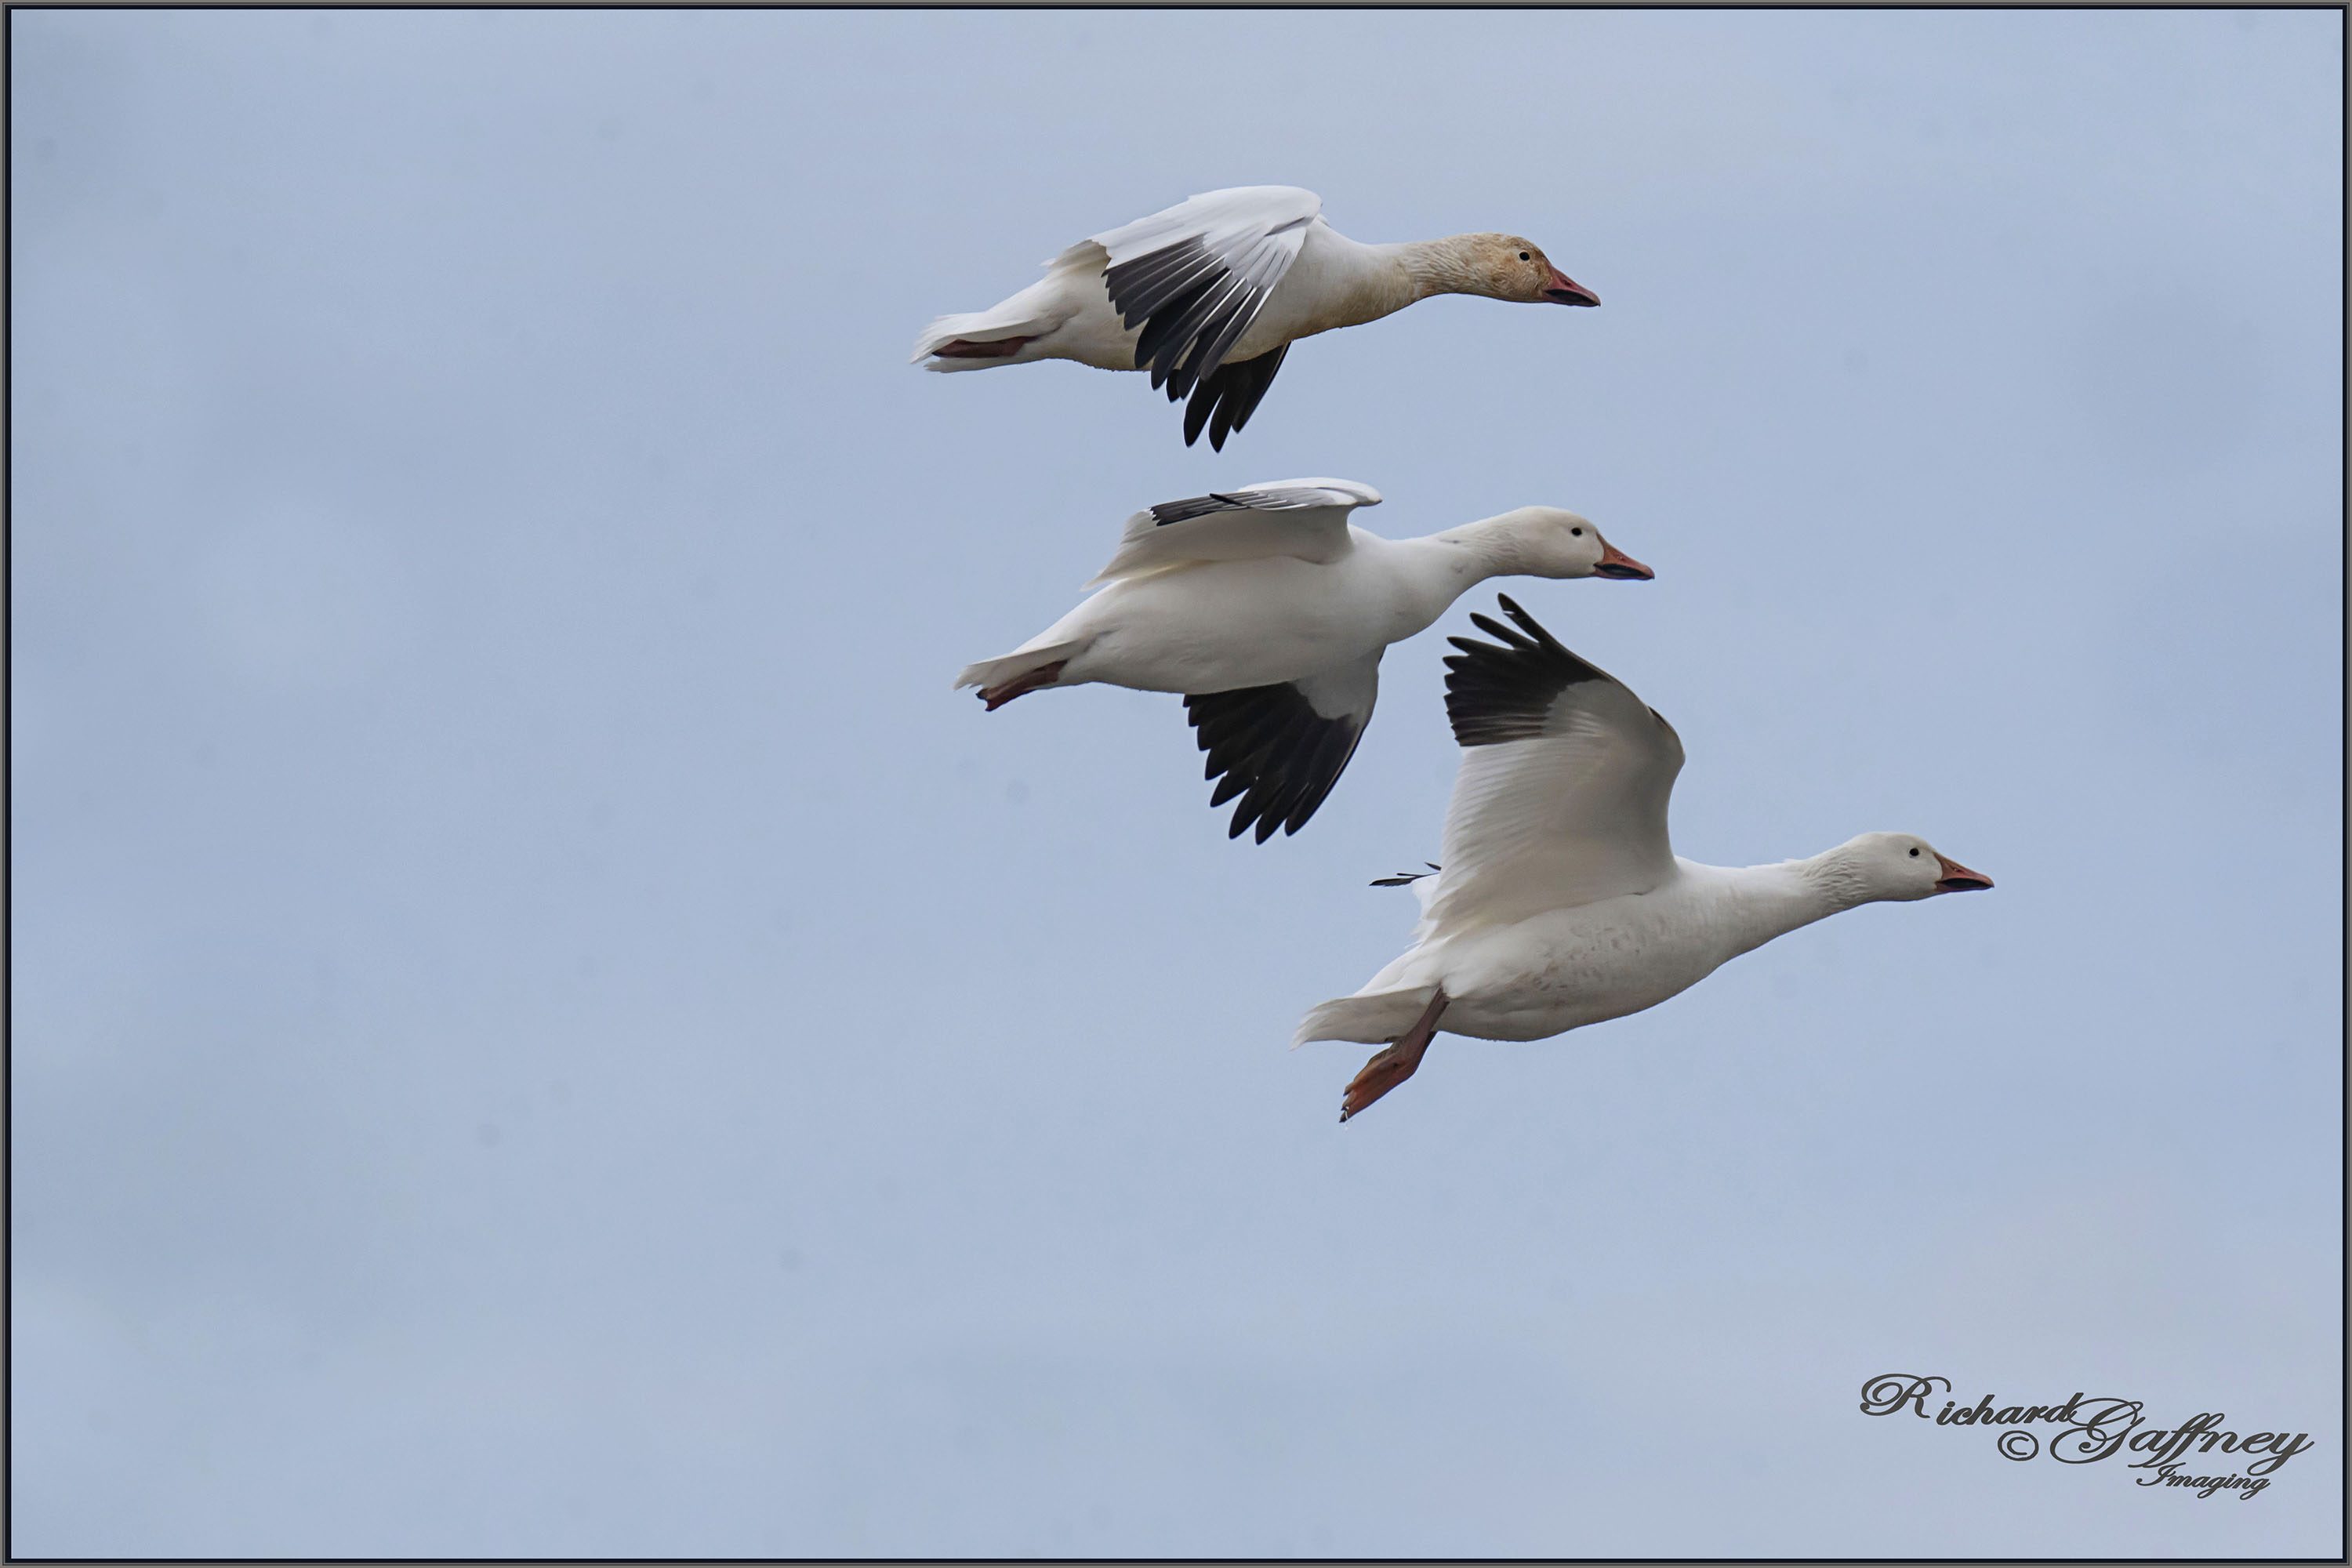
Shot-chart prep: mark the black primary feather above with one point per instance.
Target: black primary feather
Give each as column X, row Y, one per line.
column 1222, row 403
column 1494, row 695
column 1188, row 306
column 1185, row 510
column 1268, row 745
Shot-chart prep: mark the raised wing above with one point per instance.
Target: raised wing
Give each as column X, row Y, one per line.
column 1305, row 517
column 1194, row 277
column 1561, row 797
column 1281, row 748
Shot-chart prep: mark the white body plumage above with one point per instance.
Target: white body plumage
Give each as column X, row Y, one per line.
column 1557, row 901
column 1270, row 611
column 1209, row 295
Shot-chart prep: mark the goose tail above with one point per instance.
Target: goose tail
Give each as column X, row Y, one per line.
column 993, row 675
column 978, row 339
column 1373, row 1019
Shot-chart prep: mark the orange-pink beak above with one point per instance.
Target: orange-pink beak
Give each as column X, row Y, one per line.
column 1615, row 562
column 1564, row 290
column 1959, row 878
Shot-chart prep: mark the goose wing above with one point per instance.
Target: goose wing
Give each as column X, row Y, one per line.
column 1194, row 277
column 1305, row 517
column 1565, row 778
column 1281, row 747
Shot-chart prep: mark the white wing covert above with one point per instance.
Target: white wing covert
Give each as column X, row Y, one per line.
column 1305, row 517
column 1566, row 776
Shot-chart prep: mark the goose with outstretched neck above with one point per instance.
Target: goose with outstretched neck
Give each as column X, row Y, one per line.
column 1270, row 611
column 1209, row 295
column 1558, row 901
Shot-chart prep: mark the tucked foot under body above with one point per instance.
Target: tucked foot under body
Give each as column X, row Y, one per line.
column 1021, row 685
column 994, row 348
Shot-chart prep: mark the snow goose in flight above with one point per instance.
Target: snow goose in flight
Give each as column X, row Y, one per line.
column 1560, row 902
column 1270, row 610
column 1209, row 295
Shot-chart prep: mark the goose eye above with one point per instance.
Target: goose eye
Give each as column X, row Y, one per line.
column 1915, row 853
column 1577, row 533
column 1525, row 257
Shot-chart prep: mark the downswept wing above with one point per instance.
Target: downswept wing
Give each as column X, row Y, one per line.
column 1565, row 778
column 1281, row 748
column 1221, row 404
column 1194, row 277
column 1305, row 517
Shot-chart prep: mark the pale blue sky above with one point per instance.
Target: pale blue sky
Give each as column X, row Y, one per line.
column 540, row 1025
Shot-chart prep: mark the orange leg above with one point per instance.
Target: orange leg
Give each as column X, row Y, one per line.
column 1397, row 1063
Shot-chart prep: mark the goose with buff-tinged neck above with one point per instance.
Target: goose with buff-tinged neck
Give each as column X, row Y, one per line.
column 1270, row 611
column 1209, row 295
column 1558, row 901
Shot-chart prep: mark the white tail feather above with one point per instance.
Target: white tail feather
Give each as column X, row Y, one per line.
column 980, row 326
column 1031, row 313
column 1036, row 311
column 1014, row 665
column 1373, row 1020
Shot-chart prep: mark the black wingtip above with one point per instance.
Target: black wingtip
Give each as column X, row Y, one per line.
column 1224, row 398
column 1268, row 745
column 1525, row 632
column 1500, row 692
column 1196, row 417
column 1534, row 628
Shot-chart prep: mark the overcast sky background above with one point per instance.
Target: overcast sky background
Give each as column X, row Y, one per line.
column 541, row 1025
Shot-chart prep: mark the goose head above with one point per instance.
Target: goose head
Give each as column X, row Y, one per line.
column 1504, row 267
column 1555, row 544
column 1902, row 868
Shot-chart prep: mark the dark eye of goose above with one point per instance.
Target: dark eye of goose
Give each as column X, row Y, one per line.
column 1915, row 853
column 1577, row 533
column 1525, row 257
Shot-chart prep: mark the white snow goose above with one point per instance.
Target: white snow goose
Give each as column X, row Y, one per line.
column 1560, row 902
column 1270, row 610
column 1209, row 295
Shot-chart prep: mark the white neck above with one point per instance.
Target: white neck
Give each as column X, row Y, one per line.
column 1439, row 568
column 1773, row 900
